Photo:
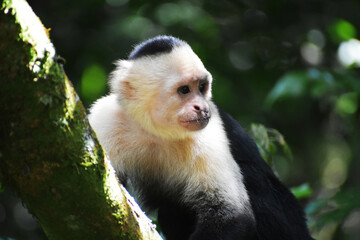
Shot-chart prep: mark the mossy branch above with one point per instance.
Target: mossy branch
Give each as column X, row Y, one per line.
column 49, row 154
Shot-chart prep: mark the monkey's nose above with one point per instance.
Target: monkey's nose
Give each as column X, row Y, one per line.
column 203, row 111
column 197, row 108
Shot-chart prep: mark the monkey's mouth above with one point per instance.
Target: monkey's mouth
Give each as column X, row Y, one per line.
column 195, row 124
column 198, row 120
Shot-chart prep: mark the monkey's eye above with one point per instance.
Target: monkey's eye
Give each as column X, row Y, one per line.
column 202, row 87
column 183, row 90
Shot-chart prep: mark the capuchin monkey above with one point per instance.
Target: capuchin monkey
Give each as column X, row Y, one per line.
column 186, row 157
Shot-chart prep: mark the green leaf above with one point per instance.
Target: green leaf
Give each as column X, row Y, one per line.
column 261, row 138
column 292, row 84
column 314, row 83
column 260, row 134
column 347, row 104
column 321, row 82
column 342, row 30
column 93, row 83
column 335, row 209
column 279, row 139
column 269, row 141
column 302, row 191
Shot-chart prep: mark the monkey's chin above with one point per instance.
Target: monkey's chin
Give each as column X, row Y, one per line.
column 195, row 124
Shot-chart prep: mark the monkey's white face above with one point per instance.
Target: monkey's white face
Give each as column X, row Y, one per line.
column 184, row 104
column 167, row 94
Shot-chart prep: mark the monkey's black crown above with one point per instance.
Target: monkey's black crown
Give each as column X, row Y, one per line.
column 155, row 46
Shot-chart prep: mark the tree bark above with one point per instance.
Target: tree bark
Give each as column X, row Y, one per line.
column 49, row 154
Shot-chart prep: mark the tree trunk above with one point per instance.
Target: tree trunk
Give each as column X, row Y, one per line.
column 49, row 154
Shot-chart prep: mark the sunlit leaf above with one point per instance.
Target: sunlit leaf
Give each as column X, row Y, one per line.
column 347, row 103
column 342, row 30
column 349, row 53
column 93, row 83
column 302, row 191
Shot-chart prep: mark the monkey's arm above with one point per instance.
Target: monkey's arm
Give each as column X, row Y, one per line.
column 215, row 227
column 276, row 210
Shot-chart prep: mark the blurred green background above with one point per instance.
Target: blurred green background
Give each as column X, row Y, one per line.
column 292, row 66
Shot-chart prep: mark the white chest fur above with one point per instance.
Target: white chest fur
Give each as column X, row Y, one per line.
column 203, row 162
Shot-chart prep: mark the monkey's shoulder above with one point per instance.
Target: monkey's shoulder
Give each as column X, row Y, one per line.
column 119, row 134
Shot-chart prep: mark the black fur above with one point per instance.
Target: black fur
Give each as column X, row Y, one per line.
column 278, row 214
column 155, row 46
column 181, row 222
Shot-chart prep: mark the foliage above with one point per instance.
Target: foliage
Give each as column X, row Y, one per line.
column 302, row 191
column 343, row 208
column 337, row 207
column 318, row 84
column 268, row 141
column 290, row 65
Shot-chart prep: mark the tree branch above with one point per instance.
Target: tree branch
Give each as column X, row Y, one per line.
column 48, row 152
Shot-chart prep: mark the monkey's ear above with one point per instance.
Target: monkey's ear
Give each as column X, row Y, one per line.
column 119, row 75
column 127, row 91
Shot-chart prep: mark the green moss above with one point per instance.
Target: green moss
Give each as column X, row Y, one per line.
column 50, row 154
